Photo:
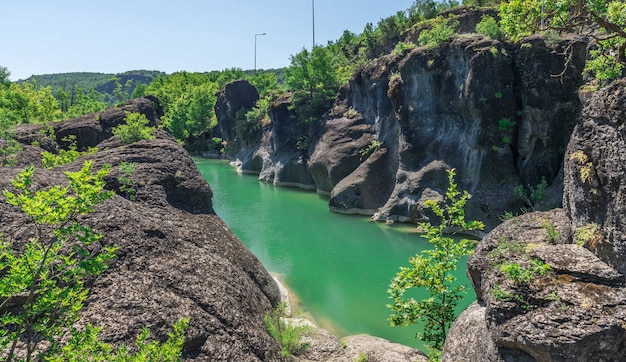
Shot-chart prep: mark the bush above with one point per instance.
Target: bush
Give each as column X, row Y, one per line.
column 43, row 280
column 432, row 270
column 49, row 273
column 441, row 30
column 488, row 26
column 288, row 335
column 84, row 345
column 135, row 129
column 51, row 160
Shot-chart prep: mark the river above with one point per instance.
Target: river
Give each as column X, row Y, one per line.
column 338, row 266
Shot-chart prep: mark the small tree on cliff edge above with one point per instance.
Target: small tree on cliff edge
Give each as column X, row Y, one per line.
column 602, row 21
column 432, row 270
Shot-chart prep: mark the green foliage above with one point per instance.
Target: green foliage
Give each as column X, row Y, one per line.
column 498, row 293
column 488, row 26
column 51, row 160
column 587, row 235
column 192, row 114
column 441, row 30
column 402, row 48
column 314, row 79
column 371, row 148
column 523, row 276
column 85, row 346
column 362, row 357
column 42, row 285
column 522, row 18
column 188, row 99
column 533, row 196
column 432, row 269
column 128, row 183
column 45, row 277
column 288, row 335
column 4, row 76
column 135, row 129
column 9, row 147
column 552, row 234
column 27, row 103
column 505, row 124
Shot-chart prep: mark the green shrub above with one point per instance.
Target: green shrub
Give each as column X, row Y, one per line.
column 84, row 345
column 533, row 197
column 9, row 147
column 488, row 26
column 505, row 124
column 523, row 276
column 587, row 235
column 135, row 129
column 402, row 48
column 441, row 30
column 51, row 160
column 288, row 335
column 432, row 270
column 371, row 148
column 46, row 277
column 128, row 184
column 51, row 275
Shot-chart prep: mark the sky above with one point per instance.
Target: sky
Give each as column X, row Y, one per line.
column 114, row 36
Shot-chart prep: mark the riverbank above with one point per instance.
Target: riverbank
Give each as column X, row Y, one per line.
column 322, row 345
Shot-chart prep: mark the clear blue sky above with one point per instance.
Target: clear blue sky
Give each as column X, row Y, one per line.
column 112, row 36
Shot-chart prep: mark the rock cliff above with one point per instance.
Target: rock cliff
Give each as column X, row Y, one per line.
column 499, row 113
column 176, row 258
column 574, row 309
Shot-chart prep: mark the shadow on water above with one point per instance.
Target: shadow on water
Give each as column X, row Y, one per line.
column 339, row 266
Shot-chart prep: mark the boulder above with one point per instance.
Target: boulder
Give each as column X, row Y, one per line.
column 176, row 258
column 570, row 307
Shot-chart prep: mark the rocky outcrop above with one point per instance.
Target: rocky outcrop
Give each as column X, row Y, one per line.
column 278, row 151
column 595, row 192
column 176, row 258
column 550, row 285
column 499, row 113
column 475, row 105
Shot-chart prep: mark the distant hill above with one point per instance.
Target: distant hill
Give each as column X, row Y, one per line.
column 101, row 82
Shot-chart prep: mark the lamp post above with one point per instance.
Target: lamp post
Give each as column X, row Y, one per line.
column 313, row 13
column 255, row 36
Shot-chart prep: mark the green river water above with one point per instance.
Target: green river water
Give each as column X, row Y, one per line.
column 338, row 266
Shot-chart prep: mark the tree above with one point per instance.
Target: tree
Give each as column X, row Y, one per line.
column 431, row 270
column 27, row 103
column 4, row 76
column 314, row 79
column 601, row 20
column 42, row 283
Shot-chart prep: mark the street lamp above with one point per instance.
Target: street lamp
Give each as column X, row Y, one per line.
column 255, row 36
column 313, row 12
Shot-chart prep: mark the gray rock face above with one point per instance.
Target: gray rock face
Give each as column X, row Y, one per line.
column 595, row 192
column 176, row 258
column 449, row 107
column 576, row 310
column 491, row 110
column 572, row 311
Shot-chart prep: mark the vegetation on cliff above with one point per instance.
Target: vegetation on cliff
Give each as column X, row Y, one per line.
column 432, row 270
column 44, row 280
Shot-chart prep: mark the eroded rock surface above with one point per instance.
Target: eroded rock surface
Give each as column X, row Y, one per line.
column 494, row 111
column 550, row 285
column 176, row 258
